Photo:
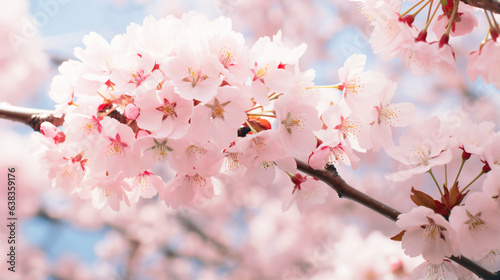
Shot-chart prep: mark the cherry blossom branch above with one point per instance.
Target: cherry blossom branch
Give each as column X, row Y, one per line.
column 490, row 5
column 31, row 117
column 34, row 117
column 344, row 190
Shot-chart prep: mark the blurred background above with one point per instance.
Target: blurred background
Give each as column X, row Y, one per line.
column 243, row 235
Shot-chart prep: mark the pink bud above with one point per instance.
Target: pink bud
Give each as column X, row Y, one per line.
column 48, row 130
column 131, row 111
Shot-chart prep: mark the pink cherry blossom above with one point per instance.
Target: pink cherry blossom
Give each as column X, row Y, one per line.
column 428, row 234
column 425, row 58
column 111, row 191
column 195, row 75
column 164, row 112
column 269, row 60
column 97, row 63
column 62, row 87
column 66, row 167
column 463, row 23
column 296, row 125
column 50, row 131
column 475, row 137
column 196, row 158
column 477, row 225
column 264, row 173
column 445, row 271
column 490, row 186
column 307, row 190
column 481, row 63
column 350, row 129
column 146, row 185
column 425, row 146
column 155, row 151
column 135, row 71
column 390, row 33
column 262, row 146
column 358, row 86
column 115, row 152
column 232, row 53
column 386, row 115
column 491, row 152
column 334, row 153
column 218, row 120
column 186, row 190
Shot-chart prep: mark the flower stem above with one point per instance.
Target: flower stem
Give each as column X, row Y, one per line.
column 335, row 86
column 413, row 7
column 275, row 97
column 473, row 180
column 435, row 181
column 254, row 108
column 430, row 9
column 485, row 39
column 430, row 20
column 459, row 171
column 488, row 17
column 261, row 115
column 446, row 175
column 452, row 17
column 495, row 23
column 421, row 8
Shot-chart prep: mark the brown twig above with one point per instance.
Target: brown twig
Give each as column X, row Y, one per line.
column 31, row 117
column 490, row 5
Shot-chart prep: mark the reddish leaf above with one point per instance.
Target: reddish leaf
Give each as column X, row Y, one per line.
column 441, row 209
column 258, row 123
column 455, row 196
column 398, row 236
column 450, row 199
column 423, row 199
column 446, row 197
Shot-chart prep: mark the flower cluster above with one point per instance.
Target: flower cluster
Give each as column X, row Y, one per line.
column 464, row 221
column 183, row 108
column 160, row 110
column 426, row 50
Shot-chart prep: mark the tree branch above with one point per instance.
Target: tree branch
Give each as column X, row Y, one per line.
column 490, row 5
column 34, row 118
column 344, row 190
column 31, row 117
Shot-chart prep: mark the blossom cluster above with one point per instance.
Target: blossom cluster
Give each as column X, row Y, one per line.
column 183, row 108
column 169, row 99
column 464, row 220
column 427, row 50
